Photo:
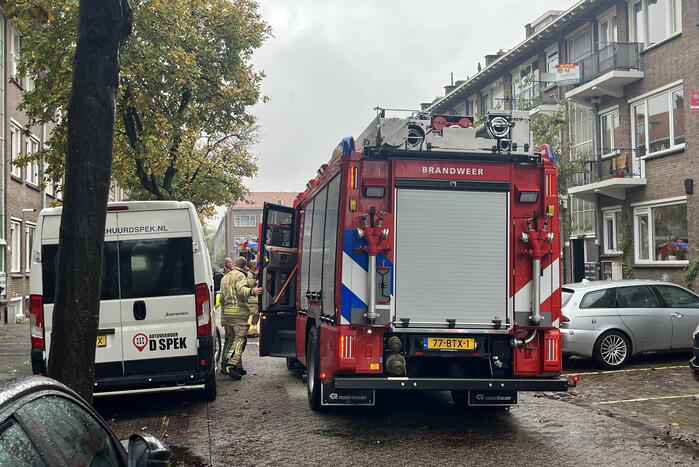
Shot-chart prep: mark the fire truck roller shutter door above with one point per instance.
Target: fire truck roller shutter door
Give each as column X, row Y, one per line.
column 462, row 235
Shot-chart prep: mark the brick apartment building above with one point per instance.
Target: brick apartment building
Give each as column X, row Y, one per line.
column 633, row 137
column 23, row 191
column 240, row 223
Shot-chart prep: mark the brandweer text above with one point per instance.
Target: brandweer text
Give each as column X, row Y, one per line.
column 452, row 170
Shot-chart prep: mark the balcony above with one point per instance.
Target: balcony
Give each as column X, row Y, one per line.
column 606, row 71
column 610, row 176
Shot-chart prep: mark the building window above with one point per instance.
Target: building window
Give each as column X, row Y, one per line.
column 582, row 215
column 551, row 60
column 610, row 133
column 15, row 139
column 656, row 127
column 654, row 20
column 471, row 108
column 525, row 85
column 16, row 245
column 15, row 52
column 607, row 28
column 240, row 239
column 661, row 233
column 33, row 167
column 612, row 221
column 244, row 220
column 579, row 45
column 28, row 242
column 279, row 202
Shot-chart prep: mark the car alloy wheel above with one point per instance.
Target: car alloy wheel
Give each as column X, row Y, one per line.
column 613, row 350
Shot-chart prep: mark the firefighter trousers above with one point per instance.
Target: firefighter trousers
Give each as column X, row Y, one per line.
column 236, row 329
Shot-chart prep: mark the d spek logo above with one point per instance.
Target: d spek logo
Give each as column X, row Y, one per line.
column 140, row 341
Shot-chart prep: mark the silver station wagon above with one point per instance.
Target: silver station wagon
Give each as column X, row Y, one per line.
column 612, row 320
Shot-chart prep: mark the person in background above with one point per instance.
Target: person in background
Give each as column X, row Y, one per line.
column 253, row 302
column 235, row 292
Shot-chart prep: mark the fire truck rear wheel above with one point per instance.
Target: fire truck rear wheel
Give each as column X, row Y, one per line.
column 313, row 379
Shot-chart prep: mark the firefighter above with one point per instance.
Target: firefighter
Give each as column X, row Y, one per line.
column 253, row 300
column 235, row 291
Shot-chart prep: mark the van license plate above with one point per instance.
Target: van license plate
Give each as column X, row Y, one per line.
column 101, row 341
column 449, row 343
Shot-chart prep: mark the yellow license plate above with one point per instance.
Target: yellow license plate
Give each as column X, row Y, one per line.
column 449, row 343
column 101, row 341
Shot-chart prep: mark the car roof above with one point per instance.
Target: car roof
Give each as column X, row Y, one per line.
column 596, row 285
column 13, row 389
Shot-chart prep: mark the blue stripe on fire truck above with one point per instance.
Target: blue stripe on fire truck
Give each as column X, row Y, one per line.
column 355, row 265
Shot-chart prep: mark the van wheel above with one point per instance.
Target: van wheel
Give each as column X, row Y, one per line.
column 209, row 391
column 313, row 380
column 612, row 350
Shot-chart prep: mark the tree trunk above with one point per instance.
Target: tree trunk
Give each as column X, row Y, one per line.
column 103, row 26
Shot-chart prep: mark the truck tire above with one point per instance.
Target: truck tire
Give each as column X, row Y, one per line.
column 217, row 347
column 313, row 379
column 209, row 392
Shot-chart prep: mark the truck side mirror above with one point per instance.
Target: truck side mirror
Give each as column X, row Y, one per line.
column 146, row 450
column 218, row 276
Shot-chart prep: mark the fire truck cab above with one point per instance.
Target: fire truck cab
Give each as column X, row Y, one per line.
column 424, row 256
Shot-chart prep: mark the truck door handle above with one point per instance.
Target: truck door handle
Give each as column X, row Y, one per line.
column 139, row 310
column 674, row 314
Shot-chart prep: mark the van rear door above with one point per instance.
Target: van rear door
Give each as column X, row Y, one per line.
column 108, row 355
column 157, row 292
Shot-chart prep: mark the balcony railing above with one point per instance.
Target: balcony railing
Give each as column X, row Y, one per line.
column 596, row 170
column 610, row 56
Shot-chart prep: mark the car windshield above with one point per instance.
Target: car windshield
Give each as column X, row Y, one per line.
column 567, row 294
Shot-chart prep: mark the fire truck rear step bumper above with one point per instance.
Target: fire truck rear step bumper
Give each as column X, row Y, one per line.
column 454, row 384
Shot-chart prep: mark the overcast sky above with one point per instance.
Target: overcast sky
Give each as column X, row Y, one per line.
column 331, row 62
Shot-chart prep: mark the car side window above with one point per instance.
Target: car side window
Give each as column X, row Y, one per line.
column 80, row 439
column 639, row 296
column 604, row 298
column 16, row 448
column 677, row 298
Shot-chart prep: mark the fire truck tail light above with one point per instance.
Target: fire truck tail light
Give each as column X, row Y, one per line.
column 528, row 196
column 353, row 204
column 353, row 175
column 36, row 319
column 203, row 309
column 552, row 351
column 346, row 346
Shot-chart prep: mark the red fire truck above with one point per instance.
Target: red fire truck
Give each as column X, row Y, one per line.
column 424, row 256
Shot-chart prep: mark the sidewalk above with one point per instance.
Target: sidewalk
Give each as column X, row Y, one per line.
column 15, row 351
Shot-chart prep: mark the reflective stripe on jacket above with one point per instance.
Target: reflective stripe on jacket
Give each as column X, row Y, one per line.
column 235, row 292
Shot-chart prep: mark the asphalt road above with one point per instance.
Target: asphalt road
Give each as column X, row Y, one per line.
column 265, row 420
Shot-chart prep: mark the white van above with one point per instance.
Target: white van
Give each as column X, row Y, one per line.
column 156, row 328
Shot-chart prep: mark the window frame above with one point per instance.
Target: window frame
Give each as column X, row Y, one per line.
column 29, row 237
column 238, row 220
column 612, row 144
column 533, row 90
column 646, row 210
column 15, row 55
column 610, row 16
column 32, row 172
column 607, row 215
column 646, row 127
column 15, row 149
column 548, row 55
column 672, row 29
column 16, row 246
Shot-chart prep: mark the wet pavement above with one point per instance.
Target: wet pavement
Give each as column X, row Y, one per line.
column 265, row 420
column 631, row 417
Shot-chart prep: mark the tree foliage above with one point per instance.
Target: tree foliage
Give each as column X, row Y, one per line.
column 183, row 126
